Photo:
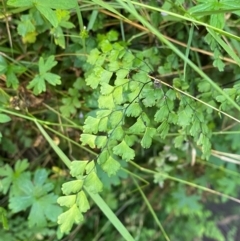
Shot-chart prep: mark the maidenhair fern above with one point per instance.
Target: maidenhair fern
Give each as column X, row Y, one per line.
column 133, row 108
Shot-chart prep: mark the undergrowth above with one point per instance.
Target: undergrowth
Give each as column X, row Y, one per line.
column 127, row 107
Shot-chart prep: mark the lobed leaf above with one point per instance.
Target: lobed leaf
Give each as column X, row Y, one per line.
column 68, row 218
column 93, row 183
column 67, row 201
column 82, row 202
column 111, row 166
column 123, row 150
column 77, row 168
column 72, row 186
column 147, row 137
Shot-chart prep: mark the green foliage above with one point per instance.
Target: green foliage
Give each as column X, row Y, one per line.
column 142, row 105
column 38, row 83
column 26, row 192
column 77, row 202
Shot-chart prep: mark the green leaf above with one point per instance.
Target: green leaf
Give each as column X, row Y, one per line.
column 48, row 13
column 3, row 218
column 106, row 89
column 106, row 102
column 185, row 116
column 77, row 168
column 148, row 136
column 68, row 218
column 4, row 118
column 58, row 4
column 38, row 85
column 82, row 202
column 101, row 141
column 40, row 176
column 88, row 139
column 52, row 79
column 90, row 167
column 161, row 114
column 93, row 183
column 20, row 3
column 111, row 166
column 48, row 65
column 133, row 110
column 20, row 203
column 103, row 156
column 118, row 95
column 138, row 127
column 3, row 65
column 42, row 209
column 117, row 133
column 103, row 124
column 115, row 118
column 178, row 141
column 72, row 187
column 67, row 201
column 123, row 150
column 195, row 127
column 91, row 125
column 163, row 129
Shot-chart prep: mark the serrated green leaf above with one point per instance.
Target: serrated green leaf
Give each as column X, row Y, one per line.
column 118, row 95
column 133, row 110
column 92, row 80
column 91, row 125
column 117, row 133
column 88, row 139
column 111, row 166
column 147, row 137
column 138, row 127
column 163, row 129
column 91, row 167
column 150, row 98
column 123, row 150
column 52, row 79
column 161, row 114
column 103, row 113
column 93, row 56
column 77, row 168
column 185, row 116
column 106, row 102
column 103, row 157
column 106, row 89
column 68, row 218
column 195, row 128
column 67, row 201
column 82, row 202
column 12, row 79
column 48, row 65
column 103, row 124
column 93, row 183
column 115, row 118
column 101, row 141
column 38, row 85
column 72, row 187
column 4, row 118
